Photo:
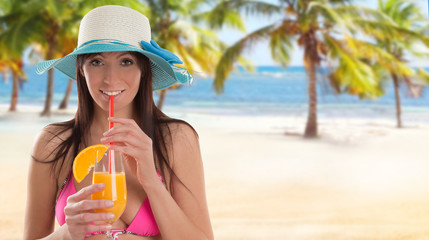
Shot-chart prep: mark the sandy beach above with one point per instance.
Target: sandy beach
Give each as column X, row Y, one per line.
column 362, row 179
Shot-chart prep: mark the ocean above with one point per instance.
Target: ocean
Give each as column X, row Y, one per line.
column 267, row 91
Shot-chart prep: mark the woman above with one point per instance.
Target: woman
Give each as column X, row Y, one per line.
column 115, row 56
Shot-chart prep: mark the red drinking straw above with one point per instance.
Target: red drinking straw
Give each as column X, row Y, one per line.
column 111, row 107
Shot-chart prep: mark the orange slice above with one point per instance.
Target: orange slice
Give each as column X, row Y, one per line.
column 85, row 160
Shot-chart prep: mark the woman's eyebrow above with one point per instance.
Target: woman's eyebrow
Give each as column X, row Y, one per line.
column 122, row 54
column 96, row 55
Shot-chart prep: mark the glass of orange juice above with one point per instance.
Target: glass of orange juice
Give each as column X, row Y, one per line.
column 110, row 171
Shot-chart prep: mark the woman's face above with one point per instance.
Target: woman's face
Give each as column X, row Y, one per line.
column 112, row 73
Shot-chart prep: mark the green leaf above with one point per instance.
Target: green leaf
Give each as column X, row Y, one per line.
column 233, row 53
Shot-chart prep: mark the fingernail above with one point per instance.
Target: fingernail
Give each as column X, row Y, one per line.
column 110, row 216
column 101, row 185
column 108, row 227
column 103, row 139
column 109, row 204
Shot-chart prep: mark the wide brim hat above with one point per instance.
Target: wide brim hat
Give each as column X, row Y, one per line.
column 116, row 28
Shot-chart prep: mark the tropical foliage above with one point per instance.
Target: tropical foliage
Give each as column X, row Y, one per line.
column 328, row 32
column 362, row 48
column 397, row 31
column 48, row 23
column 53, row 26
column 10, row 60
column 412, row 25
column 14, row 65
column 177, row 25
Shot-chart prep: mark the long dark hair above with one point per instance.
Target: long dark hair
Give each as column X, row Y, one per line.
column 155, row 122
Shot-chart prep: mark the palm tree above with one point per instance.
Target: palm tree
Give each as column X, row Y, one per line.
column 176, row 26
column 162, row 94
column 325, row 30
column 197, row 47
column 36, row 21
column 47, row 22
column 65, row 101
column 15, row 66
column 68, row 45
column 18, row 76
column 405, row 15
column 10, row 58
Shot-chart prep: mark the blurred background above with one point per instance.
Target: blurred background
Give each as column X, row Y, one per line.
column 313, row 115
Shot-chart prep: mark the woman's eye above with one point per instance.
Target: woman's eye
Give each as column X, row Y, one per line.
column 95, row 62
column 127, row 62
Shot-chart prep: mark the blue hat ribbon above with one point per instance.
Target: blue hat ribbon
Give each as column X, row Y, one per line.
column 154, row 48
column 110, row 41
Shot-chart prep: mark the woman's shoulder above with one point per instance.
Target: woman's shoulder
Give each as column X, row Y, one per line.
column 181, row 130
column 185, row 146
column 48, row 140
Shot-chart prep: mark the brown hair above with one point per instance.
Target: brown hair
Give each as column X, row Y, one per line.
column 155, row 122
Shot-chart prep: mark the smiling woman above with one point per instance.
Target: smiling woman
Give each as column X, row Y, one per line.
column 115, row 73
column 116, row 57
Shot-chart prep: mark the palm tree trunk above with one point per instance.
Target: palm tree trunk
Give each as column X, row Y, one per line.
column 66, row 98
column 14, row 96
column 311, row 127
column 50, row 88
column 398, row 100
column 161, row 99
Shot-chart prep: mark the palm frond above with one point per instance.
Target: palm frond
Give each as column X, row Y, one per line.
column 374, row 53
column 218, row 18
column 252, row 7
column 281, row 43
column 199, row 48
column 230, row 56
column 360, row 12
column 227, row 13
column 423, row 75
column 329, row 14
column 351, row 74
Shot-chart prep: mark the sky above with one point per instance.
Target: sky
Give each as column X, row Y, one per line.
column 261, row 55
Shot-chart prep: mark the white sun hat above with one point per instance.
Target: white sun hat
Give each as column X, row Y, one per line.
column 114, row 28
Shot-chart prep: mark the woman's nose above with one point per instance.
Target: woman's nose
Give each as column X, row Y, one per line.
column 110, row 74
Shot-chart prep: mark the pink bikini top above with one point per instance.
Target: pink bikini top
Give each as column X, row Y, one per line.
column 143, row 224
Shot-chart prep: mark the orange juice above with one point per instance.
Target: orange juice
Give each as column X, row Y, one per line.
column 115, row 190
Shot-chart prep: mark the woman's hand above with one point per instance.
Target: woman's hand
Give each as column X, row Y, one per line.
column 79, row 212
column 128, row 138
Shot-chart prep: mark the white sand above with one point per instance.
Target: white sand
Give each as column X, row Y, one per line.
column 362, row 179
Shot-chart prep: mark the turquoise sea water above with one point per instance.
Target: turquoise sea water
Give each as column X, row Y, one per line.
column 269, row 90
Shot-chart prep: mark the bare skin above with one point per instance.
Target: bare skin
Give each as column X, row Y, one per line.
column 183, row 215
